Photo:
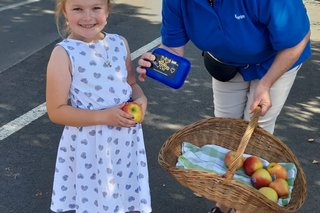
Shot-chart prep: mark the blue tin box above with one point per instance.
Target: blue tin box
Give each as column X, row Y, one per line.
column 168, row 68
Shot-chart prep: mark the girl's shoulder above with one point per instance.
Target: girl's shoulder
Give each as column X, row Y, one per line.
column 59, row 50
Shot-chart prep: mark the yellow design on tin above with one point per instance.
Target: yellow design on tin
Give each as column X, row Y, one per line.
column 164, row 62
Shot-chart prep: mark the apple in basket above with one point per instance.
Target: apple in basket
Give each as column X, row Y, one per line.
column 134, row 109
column 281, row 186
column 270, row 193
column 230, row 157
column 251, row 164
column 277, row 171
column 261, row 178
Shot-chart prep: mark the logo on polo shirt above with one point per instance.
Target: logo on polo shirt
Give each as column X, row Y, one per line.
column 239, row 17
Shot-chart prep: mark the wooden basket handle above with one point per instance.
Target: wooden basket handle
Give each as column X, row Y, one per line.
column 244, row 142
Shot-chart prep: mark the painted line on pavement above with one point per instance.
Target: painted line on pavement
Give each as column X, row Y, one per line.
column 25, row 119
column 12, row 6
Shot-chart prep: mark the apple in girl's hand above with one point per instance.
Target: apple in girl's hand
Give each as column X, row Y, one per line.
column 261, row 178
column 232, row 156
column 251, row 164
column 277, row 171
column 281, row 186
column 270, row 193
column 134, row 109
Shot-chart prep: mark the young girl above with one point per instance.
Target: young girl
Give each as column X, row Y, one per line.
column 101, row 162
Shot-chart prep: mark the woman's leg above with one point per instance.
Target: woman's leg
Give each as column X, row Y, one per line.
column 279, row 93
column 230, row 98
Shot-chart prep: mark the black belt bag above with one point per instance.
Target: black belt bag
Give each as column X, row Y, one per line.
column 217, row 69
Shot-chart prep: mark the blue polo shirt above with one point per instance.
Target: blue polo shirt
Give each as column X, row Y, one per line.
column 237, row 32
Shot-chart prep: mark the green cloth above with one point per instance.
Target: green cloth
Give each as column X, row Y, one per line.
column 211, row 158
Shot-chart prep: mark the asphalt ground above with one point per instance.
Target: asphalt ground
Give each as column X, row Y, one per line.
column 28, row 155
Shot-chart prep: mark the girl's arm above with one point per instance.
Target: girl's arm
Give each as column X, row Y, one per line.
column 57, row 91
column 282, row 63
column 137, row 93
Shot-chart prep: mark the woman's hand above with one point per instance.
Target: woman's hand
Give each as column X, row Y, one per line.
column 144, row 62
column 261, row 98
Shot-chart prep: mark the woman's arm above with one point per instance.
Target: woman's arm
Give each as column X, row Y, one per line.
column 282, row 63
column 57, row 91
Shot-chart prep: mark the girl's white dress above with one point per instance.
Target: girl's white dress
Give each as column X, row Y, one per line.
column 100, row 169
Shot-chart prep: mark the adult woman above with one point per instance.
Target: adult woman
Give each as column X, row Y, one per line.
column 265, row 41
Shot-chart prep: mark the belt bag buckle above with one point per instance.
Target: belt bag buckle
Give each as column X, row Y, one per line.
column 217, row 69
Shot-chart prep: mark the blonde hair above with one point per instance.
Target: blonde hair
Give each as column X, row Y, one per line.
column 61, row 22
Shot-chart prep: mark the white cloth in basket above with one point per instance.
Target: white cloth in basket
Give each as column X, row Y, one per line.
column 211, row 158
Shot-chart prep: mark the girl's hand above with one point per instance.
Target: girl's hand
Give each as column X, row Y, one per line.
column 261, row 98
column 144, row 62
column 142, row 101
column 115, row 116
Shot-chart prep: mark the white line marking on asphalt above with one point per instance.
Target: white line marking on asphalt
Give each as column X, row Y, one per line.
column 145, row 48
column 25, row 119
column 11, row 6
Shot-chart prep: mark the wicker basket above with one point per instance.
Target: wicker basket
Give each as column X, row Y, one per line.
column 233, row 134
